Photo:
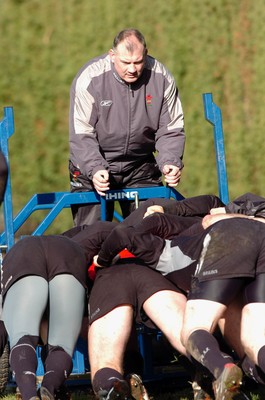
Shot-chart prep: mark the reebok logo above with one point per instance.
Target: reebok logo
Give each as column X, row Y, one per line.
column 106, row 103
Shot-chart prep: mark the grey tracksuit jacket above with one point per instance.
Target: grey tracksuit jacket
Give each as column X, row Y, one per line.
column 116, row 126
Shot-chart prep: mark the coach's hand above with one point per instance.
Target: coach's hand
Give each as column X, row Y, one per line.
column 101, row 182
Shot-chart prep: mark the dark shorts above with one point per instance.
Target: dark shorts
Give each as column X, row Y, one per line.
column 232, row 259
column 45, row 256
column 252, row 290
column 222, row 291
column 232, row 248
column 128, row 283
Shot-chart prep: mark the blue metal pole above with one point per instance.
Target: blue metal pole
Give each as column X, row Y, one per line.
column 103, row 208
column 6, row 131
column 214, row 116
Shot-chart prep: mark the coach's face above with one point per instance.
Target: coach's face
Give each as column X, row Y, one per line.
column 129, row 59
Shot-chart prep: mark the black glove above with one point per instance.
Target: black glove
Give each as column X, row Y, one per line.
column 3, row 337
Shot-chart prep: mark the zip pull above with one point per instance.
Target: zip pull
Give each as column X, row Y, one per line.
column 130, row 88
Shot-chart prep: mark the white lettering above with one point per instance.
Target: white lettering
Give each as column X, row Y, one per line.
column 121, row 195
column 106, row 103
column 111, row 196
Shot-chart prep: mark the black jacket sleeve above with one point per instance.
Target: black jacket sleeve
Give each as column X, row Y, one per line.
column 247, row 204
column 146, row 240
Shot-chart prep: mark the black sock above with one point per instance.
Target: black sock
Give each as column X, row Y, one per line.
column 261, row 358
column 23, row 362
column 58, row 366
column 260, row 368
column 203, row 346
column 104, row 379
column 253, row 371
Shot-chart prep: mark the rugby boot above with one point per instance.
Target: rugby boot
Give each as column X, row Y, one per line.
column 45, row 394
column 202, row 386
column 138, row 390
column 227, row 386
column 119, row 391
column 18, row 394
column 200, row 393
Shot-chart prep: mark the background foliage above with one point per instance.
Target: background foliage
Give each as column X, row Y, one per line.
column 212, row 46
